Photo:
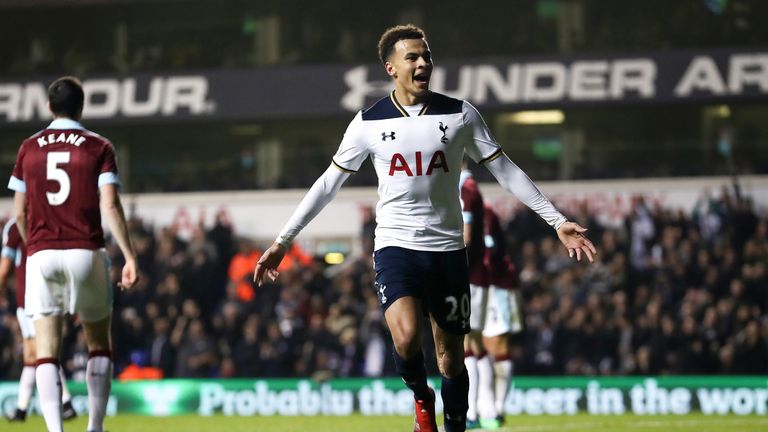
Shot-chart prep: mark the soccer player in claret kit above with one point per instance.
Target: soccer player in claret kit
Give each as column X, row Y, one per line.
column 65, row 178
column 503, row 316
column 479, row 367
column 14, row 254
column 412, row 138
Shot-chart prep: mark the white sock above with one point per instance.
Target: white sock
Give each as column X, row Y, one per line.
column 26, row 387
column 49, row 394
column 503, row 378
column 471, row 364
column 485, row 392
column 65, row 395
column 98, row 376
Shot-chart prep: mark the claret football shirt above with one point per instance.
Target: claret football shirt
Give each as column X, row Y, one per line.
column 61, row 169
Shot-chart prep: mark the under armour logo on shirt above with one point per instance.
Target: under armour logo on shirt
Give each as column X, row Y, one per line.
column 384, row 136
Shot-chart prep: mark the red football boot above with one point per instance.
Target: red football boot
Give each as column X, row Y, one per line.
column 425, row 414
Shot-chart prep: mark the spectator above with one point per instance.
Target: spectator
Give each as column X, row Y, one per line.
column 686, row 296
column 196, row 354
column 245, row 355
column 240, row 283
column 161, row 352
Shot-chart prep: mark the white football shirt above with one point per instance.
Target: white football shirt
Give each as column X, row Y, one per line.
column 417, row 154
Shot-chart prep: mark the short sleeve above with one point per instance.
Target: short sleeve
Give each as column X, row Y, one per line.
column 11, row 240
column 469, row 196
column 16, row 183
column 482, row 147
column 353, row 149
column 108, row 169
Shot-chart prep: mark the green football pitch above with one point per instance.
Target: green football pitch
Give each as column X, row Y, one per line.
column 579, row 423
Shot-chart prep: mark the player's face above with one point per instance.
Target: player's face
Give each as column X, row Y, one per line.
column 410, row 64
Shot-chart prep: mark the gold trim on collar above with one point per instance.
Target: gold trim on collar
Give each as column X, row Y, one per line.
column 397, row 104
column 402, row 110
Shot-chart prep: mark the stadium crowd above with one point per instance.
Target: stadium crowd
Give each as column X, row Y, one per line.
column 669, row 293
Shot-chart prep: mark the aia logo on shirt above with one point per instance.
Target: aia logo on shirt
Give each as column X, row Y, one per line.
column 399, row 163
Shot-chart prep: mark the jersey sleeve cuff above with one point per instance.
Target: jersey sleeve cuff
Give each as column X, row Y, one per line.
column 8, row 252
column 560, row 222
column 17, row 185
column 283, row 241
column 467, row 216
column 108, row 178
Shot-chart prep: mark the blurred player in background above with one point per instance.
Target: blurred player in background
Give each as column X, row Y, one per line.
column 65, row 178
column 479, row 367
column 503, row 316
column 420, row 257
column 14, row 254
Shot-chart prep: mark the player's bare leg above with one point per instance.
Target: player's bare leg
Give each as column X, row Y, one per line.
column 48, row 344
column 449, row 349
column 98, row 370
column 404, row 319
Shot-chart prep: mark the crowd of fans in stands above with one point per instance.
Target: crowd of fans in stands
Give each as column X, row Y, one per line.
column 669, row 293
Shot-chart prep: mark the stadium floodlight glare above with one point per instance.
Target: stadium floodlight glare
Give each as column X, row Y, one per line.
column 723, row 111
column 334, row 258
column 536, row 117
column 247, row 129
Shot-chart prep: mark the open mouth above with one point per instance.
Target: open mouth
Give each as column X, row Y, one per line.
column 423, row 79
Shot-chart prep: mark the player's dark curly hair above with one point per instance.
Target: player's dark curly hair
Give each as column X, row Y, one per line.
column 397, row 33
column 66, row 97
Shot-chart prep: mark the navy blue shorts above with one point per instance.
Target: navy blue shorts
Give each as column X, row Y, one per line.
column 439, row 279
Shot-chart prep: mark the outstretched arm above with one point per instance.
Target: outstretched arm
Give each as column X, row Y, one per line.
column 572, row 236
column 319, row 195
column 514, row 180
column 484, row 149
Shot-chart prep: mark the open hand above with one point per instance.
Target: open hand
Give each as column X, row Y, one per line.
column 268, row 263
column 572, row 236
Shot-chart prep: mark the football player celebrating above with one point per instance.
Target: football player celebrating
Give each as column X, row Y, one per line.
column 416, row 140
